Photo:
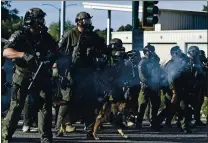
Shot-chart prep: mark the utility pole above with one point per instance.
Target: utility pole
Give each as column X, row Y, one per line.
column 109, row 27
column 63, row 16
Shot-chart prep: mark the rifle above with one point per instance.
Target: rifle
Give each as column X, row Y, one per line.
column 35, row 76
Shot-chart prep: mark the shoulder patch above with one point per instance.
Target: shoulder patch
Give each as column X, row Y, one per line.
column 15, row 35
column 11, row 39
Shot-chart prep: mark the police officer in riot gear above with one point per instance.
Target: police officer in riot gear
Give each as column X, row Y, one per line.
column 83, row 46
column 150, row 79
column 132, row 84
column 116, row 45
column 27, row 48
column 198, row 81
column 169, row 110
column 117, row 67
column 177, row 70
column 204, row 61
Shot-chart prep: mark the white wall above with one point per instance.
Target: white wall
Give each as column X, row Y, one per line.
column 165, row 40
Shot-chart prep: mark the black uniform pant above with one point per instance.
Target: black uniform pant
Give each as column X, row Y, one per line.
column 169, row 110
column 132, row 102
column 84, row 98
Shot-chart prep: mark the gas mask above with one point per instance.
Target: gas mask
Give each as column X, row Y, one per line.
column 86, row 23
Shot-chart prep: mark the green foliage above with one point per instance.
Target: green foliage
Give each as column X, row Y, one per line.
column 103, row 33
column 121, row 28
column 205, row 8
column 10, row 21
column 54, row 28
column 128, row 27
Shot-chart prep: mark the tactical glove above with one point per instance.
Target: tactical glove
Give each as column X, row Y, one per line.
column 28, row 57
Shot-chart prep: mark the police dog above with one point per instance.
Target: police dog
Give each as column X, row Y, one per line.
column 110, row 112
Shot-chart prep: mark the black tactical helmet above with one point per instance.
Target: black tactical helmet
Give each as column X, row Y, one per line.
column 148, row 48
column 136, row 52
column 202, row 53
column 34, row 15
column 193, row 51
column 116, row 43
column 82, row 15
column 175, row 49
column 133, row 53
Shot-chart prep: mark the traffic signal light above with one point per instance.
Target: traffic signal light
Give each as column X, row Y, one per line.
column 149, row 17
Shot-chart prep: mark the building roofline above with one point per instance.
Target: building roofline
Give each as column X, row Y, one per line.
column 186, row 11
column 128, row 8
column 164, row 31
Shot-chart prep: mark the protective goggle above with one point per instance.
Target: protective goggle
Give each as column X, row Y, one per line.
column 86, row 21
column 194, row 53
column 178, row 52
column 116, row 46
column 152, row 52
column 40, row 20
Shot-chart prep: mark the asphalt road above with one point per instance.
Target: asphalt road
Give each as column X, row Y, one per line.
column 109, row 134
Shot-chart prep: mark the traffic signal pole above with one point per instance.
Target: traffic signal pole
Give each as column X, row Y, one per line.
column 135, row 14
column 149, row 14
column 135, row 20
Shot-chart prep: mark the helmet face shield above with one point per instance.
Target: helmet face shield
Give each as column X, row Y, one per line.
column 116, row 46
column 87, row 21
column 40, row 21
column 178, row 52
column 83, row 19
column 193, row 51
column 34, row 18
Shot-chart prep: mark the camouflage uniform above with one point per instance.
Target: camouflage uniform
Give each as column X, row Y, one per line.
column 81, row 93
column 197, row 81
column 45, row 46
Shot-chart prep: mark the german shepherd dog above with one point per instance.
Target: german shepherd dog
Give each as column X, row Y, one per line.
column 110, row 112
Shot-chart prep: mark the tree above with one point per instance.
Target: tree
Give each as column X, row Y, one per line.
column 128, row 27
column 10, row 19
column 54, row 28
column 103, row 33
column 205, row 8
column 121, row 28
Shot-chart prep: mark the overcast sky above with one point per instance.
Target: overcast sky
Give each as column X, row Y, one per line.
column 99, row 16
